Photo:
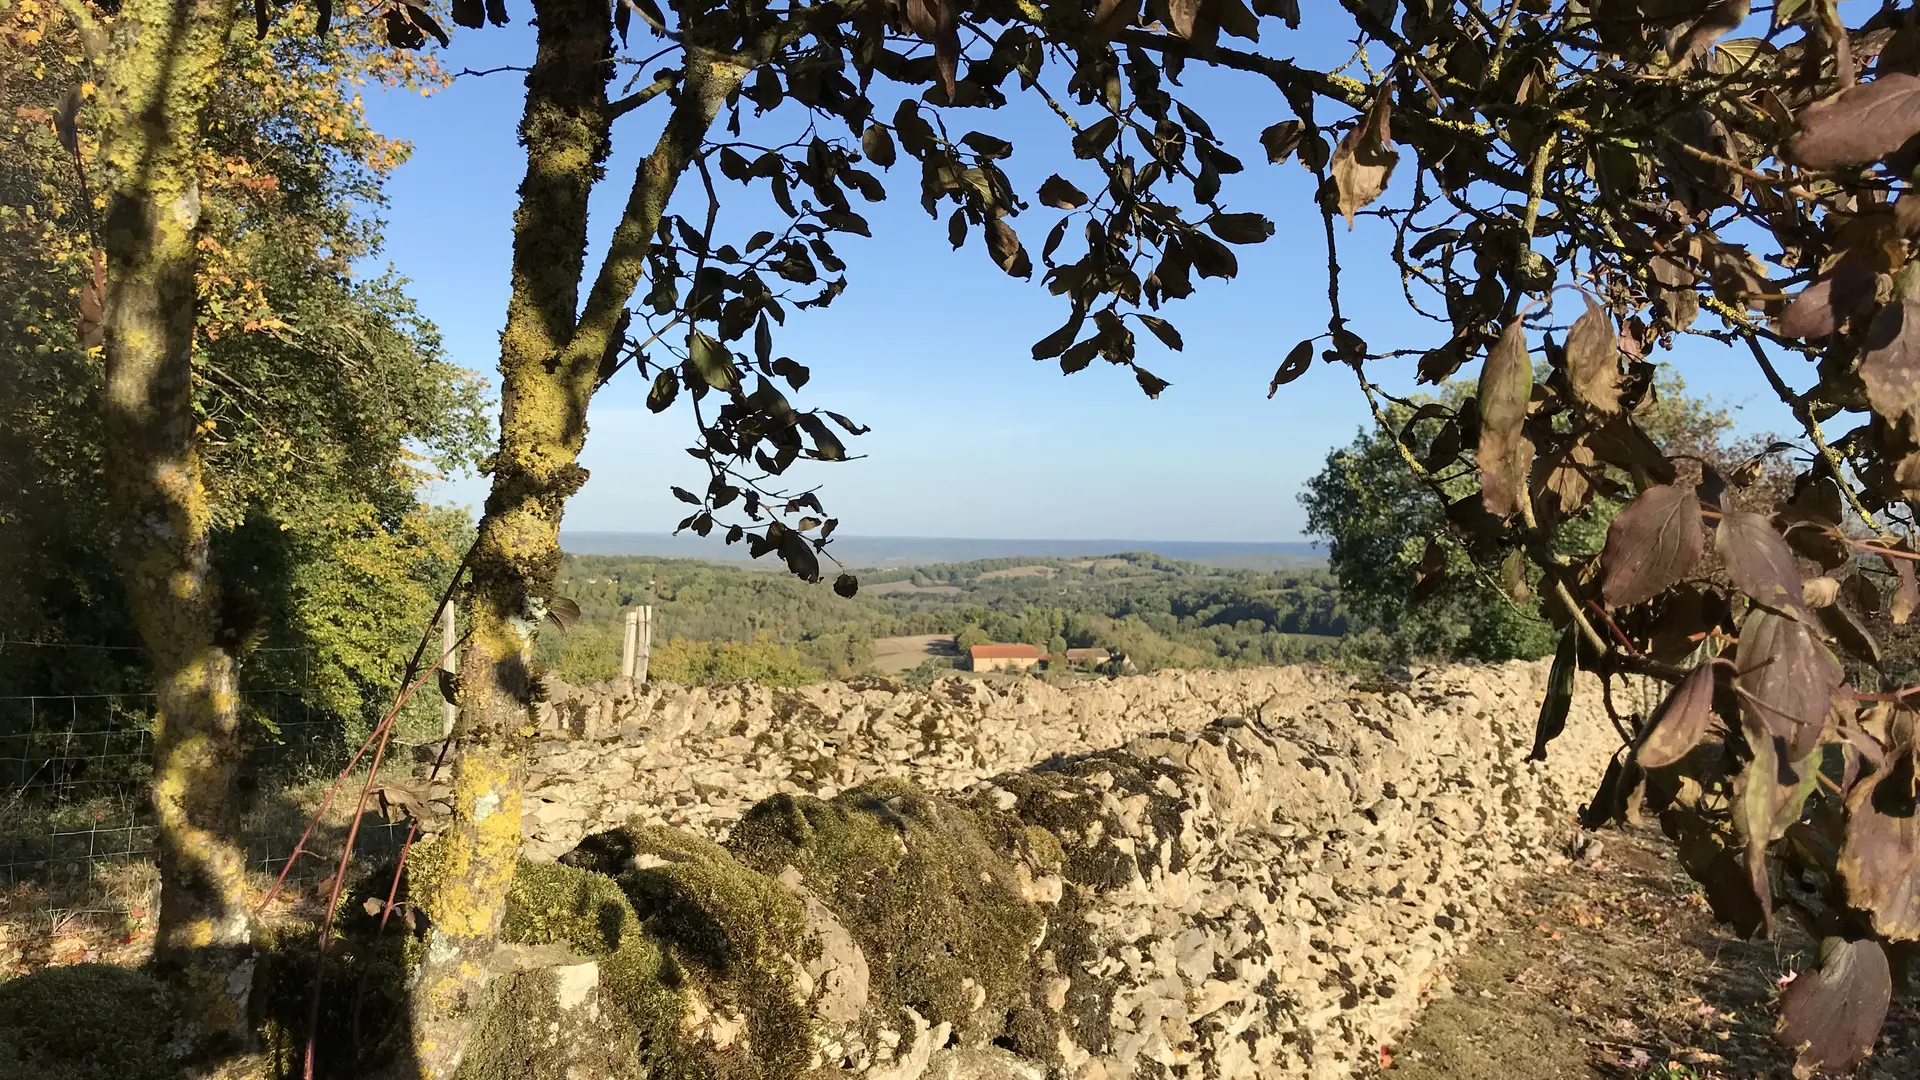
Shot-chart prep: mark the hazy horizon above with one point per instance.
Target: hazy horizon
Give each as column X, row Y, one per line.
column 859, row 551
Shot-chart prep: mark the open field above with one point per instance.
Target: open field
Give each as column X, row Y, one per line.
column 1018, row 572
column 908, row 588
column 894, row 655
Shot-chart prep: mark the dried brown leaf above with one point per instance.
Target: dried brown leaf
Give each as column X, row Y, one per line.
column 1183, row 13
column 1847, row 630
column 1820, row 309
column 1720, row 18
column 1832, row 1016
column 1111, row 17
column 1363, row 162
column 1652, row 544
column 1819, row 592
column 1862, row 123
column 1561, row 479
column 1906, row 594
column 1786, row 682
column 1759, row 561
column 1621, row 442
column 1682, row 721
column 1860, row 591
column 1506, row 385
column 1882, row 851
column 1890, row 362
column 1593, row 360
column 91, row 324
column 1295, row 365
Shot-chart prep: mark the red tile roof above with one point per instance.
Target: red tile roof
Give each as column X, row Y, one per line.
column 1005, row 652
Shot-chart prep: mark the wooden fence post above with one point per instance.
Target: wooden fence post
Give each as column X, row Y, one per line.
column 449, row 712
column 645, row 650
column 629, row 643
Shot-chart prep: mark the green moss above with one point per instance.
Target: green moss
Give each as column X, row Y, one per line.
column 726, row 932
column 588, row 912
column 84, row 1022
column 736, row 934
column 923, row 886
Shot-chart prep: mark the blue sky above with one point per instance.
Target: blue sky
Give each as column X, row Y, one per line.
column 929, row 346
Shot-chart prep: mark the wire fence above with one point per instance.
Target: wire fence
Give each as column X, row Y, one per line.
column 75, row 771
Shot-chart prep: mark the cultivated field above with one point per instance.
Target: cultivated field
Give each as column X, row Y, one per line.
column 894, row 655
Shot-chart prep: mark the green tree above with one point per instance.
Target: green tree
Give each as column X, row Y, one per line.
column 1414, row 585
column 209, row 422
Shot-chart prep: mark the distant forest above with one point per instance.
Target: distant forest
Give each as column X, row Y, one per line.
column 713, row 622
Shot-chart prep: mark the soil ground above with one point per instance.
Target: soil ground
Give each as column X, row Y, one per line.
column 1612, row 968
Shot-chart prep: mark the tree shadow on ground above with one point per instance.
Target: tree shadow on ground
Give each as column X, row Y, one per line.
column 1614, row 969
column 67, row 1020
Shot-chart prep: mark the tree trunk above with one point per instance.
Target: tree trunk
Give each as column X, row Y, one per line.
column 517, row 553
column 160, row 67
column 550, row 355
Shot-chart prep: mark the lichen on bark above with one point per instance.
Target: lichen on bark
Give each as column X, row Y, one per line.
column 157, row 71
column 550, row 354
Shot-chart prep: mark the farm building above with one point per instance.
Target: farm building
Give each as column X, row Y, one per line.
column 1088, row 657
column 1002, row 657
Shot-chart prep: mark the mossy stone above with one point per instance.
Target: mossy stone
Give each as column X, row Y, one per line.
column 933, row 903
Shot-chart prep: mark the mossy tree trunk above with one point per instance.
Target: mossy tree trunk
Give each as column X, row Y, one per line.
column 159, row 67
column 550, row 356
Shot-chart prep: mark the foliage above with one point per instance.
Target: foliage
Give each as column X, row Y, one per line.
column 1616, row 155
column 323, row 399
column 1159, row 612
column 702, row 663
column 1402, row 574
column 1670, row 180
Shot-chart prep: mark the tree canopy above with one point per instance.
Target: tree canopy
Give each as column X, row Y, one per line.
column 322, row 399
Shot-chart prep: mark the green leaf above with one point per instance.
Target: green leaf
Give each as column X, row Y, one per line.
column 666, row 387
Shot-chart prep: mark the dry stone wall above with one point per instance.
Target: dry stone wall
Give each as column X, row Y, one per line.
column 696, row 757
column 1244, row 874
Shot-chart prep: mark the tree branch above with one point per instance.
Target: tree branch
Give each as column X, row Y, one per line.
column 654, row 89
